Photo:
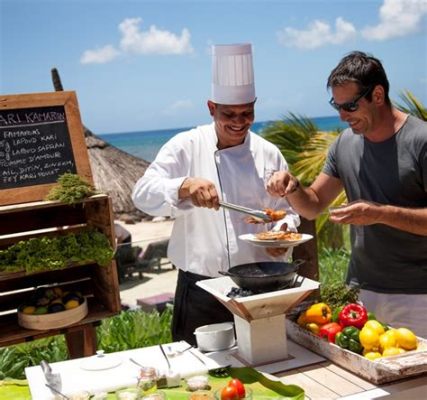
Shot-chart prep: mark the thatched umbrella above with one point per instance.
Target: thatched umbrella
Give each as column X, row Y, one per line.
column 114, row 171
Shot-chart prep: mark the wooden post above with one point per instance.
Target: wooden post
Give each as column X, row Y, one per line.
column 81, row 342
column 308, row 251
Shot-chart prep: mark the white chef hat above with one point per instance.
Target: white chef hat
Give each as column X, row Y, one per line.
column 232, row 74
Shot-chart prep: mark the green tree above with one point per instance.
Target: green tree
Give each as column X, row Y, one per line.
column 305, row 149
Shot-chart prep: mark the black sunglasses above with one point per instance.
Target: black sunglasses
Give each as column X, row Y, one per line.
column 350, row 106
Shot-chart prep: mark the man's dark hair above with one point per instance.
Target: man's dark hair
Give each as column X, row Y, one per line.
column 363, row 69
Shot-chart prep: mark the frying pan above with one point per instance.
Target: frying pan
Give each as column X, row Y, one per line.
column 265, row 276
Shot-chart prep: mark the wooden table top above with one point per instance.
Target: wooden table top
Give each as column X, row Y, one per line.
column 325, row 380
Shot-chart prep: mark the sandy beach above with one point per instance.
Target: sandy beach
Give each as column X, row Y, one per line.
column 153, row 282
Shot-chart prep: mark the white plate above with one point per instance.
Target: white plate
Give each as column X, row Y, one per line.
column 251, row 238
column 100, row 362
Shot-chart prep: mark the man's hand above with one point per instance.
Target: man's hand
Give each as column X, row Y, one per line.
column 201, row 191
column 356, row 213
column 282, row 184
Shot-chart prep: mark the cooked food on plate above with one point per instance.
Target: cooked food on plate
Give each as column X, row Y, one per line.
column 278, row 235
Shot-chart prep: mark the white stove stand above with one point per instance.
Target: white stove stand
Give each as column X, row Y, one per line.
column 262, row 340
column 260, row 319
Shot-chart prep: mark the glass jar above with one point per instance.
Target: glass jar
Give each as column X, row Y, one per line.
column 147, row 381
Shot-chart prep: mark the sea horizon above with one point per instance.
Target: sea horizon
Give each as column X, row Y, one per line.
column 146, row 144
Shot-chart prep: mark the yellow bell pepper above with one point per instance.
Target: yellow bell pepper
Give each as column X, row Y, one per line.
column 319, row 313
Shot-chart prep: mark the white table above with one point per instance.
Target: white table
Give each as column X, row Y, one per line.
column 320, row 378
column 121, row 372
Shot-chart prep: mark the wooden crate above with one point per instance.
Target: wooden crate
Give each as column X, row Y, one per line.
column 98, row 283
column 380, row 371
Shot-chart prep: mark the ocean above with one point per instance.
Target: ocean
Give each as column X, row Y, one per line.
column 146, row 144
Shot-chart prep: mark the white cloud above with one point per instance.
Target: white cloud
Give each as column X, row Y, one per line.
column 178, row 106
column 153, row 41
column 397, row 18
column 135, row 41
column 317, row 34
column 99, row 56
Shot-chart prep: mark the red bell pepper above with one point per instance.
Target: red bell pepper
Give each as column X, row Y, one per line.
column 353, row 315
column 329, row 331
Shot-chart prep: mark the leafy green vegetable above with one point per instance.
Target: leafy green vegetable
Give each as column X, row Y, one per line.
column 70, row 189
column 134, row 329
column 337, row 294
column 50, row 253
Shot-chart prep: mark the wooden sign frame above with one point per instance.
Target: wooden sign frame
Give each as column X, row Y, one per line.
column 68, row 100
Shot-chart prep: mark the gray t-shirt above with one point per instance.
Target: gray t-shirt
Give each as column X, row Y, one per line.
column 394, row 172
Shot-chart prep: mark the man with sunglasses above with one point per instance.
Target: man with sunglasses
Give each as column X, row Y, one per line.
column 381, row 163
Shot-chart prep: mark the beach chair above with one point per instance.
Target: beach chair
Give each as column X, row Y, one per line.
column 152, row 256
column 126, row 260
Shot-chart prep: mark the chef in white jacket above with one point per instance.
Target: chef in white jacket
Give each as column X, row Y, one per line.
column 194, row 170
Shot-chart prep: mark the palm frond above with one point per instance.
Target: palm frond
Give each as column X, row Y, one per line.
column 412, row 105
column 310, row 161
column 290, row 134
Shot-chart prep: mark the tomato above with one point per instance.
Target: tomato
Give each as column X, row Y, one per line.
column 239, row 387
column 229, row 393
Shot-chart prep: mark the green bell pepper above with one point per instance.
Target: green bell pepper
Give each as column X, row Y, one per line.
column 335, row 314
column 348, row 339
column 371, row 315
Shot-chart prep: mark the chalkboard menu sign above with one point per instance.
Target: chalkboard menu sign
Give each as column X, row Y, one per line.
column 41, row 138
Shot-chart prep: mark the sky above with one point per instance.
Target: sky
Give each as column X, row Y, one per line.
column 140, row 65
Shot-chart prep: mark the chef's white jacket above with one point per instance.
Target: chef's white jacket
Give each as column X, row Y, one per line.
column 205, row 241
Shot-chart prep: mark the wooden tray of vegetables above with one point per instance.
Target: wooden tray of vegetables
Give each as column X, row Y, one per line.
column 350, row 336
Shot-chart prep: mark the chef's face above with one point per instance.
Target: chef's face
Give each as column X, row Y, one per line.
column 232, row 122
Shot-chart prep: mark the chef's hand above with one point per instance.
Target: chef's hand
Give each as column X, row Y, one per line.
column 201, row 191
column 282, row 184
column 357, row 213
column 278, row 251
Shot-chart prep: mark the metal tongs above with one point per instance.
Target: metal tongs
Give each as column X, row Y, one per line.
column 262, row 215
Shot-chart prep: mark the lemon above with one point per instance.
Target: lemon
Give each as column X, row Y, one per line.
column 375, row 325
column 28, row 310
column 372, row 355
column 369, row 339
column 391, row 351
column 388, row 339
column 406, row 339
column 71, row 304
